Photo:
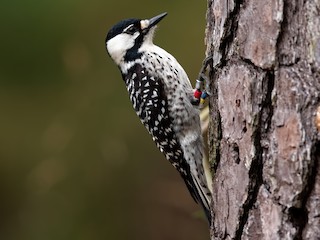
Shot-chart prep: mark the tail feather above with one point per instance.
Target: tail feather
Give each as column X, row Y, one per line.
column 199, row 195
column 203, row 198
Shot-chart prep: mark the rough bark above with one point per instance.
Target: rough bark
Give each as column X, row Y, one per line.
column 264, row 144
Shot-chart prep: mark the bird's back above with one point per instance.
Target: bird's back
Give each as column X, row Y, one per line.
column 161, row 94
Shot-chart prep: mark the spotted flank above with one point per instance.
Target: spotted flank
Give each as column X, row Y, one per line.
column 149, row 101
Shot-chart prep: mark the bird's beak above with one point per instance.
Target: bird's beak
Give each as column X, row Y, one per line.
column 149, row 23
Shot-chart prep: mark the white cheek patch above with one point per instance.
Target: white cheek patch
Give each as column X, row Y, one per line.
column 118, row 46
column 135, row 35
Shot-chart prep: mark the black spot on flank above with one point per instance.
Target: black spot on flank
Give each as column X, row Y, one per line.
column 154, row 53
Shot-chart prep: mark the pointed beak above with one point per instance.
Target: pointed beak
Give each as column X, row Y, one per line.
column 149, row 23
column 153, row 21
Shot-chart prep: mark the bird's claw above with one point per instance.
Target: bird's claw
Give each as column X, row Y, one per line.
column 201, row 92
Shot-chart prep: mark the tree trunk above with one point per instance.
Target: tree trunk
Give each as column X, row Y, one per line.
column 263, row 139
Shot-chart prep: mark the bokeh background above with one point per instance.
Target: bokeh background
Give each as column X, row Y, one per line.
column 75, row 161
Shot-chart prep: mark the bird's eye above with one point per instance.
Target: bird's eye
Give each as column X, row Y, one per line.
column 131, row 30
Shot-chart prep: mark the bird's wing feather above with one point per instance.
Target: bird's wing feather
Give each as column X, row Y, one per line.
column 150, row 103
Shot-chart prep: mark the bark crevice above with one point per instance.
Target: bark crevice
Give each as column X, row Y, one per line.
column 256, row 170
column 299, row 215
column 265, row 87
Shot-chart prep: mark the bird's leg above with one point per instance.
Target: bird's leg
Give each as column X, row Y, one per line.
column 201, row 91
column 203, row 72
column 204, row 115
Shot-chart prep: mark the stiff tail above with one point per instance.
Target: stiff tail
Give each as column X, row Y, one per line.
column 200, row 194
column 204, row 199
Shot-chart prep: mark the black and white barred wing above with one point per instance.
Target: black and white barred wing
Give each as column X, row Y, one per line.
column 148, row 97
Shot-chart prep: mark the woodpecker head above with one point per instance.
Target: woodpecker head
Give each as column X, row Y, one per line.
column 124, row 39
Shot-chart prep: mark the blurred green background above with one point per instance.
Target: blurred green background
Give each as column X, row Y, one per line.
column 75, row 161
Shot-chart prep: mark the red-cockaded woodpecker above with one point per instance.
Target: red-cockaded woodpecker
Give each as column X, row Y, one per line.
column 162, row 97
